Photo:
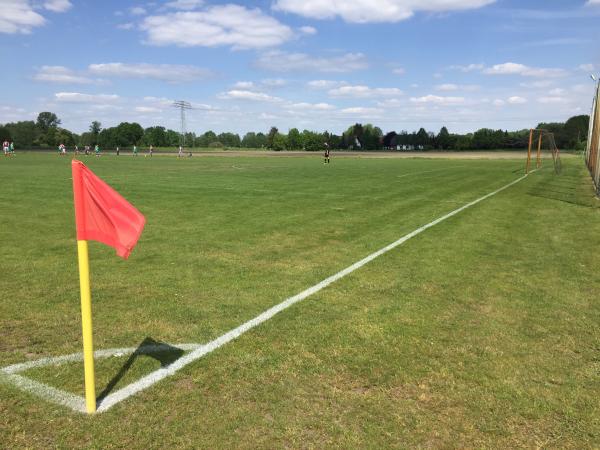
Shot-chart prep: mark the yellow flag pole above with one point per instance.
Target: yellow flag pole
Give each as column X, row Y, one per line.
column 86, row 324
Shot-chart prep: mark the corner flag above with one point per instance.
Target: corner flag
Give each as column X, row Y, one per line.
column 101, row 214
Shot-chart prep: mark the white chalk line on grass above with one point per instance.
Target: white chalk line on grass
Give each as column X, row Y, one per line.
column 197, row 350
column 55, row 395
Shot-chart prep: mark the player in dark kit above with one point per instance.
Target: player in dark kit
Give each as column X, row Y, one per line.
column 326, row 154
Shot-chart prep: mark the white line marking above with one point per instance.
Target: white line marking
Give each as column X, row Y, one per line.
column 198, row 351
column 74, row 357
column 429, row 171
column 163, row 372
column 75, row 402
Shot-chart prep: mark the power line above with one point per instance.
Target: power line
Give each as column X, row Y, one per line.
column 182, row 105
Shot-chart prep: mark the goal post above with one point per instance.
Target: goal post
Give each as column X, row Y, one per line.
column 592, row 153
column 538, row 137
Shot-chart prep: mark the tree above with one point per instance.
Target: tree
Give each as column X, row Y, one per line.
column 229, row 139
column 156, row 136
column 371, row 137
column 389, row 140
column 279, row 142
column 443, row 140
column 261, row 140
column 62, row 136
column 207, row 138
column 271, row 136
column 422, row 138
column 294, row 140
column 24, row 134
column 128, row 134
column 576, row 130
column 4, row 134
column 47, row 120
column 249, row 140
column 95, row 129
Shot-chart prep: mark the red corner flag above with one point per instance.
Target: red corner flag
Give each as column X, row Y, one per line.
column 101, row 214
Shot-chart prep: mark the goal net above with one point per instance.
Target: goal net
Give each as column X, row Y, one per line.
column 592, row 155
column 542, row 141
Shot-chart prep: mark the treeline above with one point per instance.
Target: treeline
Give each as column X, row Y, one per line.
column 46, row 132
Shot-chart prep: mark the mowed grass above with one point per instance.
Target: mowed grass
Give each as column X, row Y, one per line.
column 483, row 331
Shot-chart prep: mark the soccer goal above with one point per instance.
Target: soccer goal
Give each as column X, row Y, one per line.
column 544, row 140
column 592, row 155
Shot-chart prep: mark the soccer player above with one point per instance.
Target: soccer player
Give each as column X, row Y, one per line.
column 5, row 148
column 97, row 150
column 326, row 155
column 117, row 151
column 150, row 151
column 180, row 154
column 76, row 150
column 12, row 148
column 135, row 150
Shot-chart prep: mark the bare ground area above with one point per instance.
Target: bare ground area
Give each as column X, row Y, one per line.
column 431, row 155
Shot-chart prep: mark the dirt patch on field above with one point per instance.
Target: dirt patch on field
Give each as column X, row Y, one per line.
column 398, row 154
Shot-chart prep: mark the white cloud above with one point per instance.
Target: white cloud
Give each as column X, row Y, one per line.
column 361, row 91
column 308, row 30
column 312, row 106
column 165, row 72
column 267, row 83
column 391, row 103
column 239, row 94
column 446, row 87
column 467, row 68
column 398, row 71
column 18, row 16
column 159, row 102
column 222, row 25
column 516, row 100
column 60, row 74
column 593, row 3
column 324, row 84
column 185, row 5
column 125, row 26
column 557, row 91
column 511, row 68
column 287, row 62
column 244, row 85
column 76, row 97
column 147, row 109
column 437, row 100
column 551, row 100
column 498, row 102
column 137, row 11
column 537, row 84
column 363, row 11
column 588, row 67
column 362, row 111
column 57, row 5
column 274, row 82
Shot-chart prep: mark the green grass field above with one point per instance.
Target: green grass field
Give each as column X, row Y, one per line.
column 483, row 331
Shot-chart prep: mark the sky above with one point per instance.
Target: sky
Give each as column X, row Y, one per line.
column 310, row 64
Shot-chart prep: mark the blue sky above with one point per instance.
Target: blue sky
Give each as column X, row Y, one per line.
column 315, row 64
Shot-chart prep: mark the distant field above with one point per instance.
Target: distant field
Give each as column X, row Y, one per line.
column 483, row 331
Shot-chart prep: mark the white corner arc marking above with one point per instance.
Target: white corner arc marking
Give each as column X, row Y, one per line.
column 197, row 350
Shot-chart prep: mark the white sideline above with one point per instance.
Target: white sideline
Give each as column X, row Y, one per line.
column 154, row 377
column 74, row 357
column 74, row 402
